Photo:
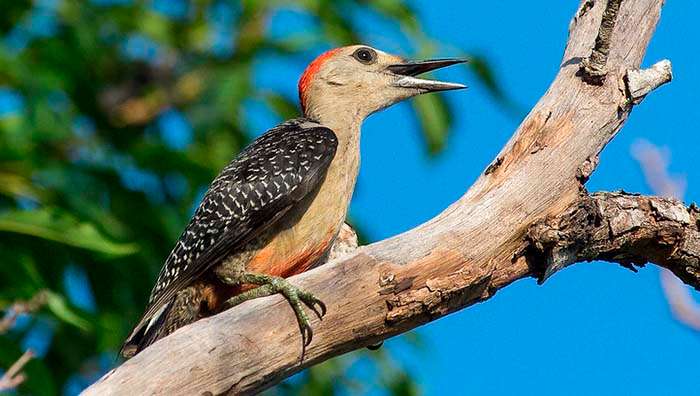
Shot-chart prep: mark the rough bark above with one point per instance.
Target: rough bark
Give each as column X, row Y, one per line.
column 594, row 67
column 654, row 162
column 622, row 228
column 497, row 233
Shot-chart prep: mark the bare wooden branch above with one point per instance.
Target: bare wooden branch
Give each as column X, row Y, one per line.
column 654, row 162
column 14, row 376
column 682, row 304
column 594, row 67
column 20, row 307
column 344, row 244
column 462, row 256
column 641, row 82
column 627, row 229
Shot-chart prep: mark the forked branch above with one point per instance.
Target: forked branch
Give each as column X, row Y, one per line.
column 481, row 243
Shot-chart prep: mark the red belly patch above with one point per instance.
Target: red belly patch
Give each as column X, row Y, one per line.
column 269, row 260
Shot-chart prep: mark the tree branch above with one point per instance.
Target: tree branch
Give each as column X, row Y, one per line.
column 622, row 228
column 654, row 163
column 14, row 376
column 640, row 82
column 20, row 307
column 593, row 67
column 462, row 256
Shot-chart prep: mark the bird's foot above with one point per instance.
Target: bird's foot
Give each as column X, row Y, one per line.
column 297, row 298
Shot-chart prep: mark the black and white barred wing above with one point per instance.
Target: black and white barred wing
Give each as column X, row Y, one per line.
column 268, row 178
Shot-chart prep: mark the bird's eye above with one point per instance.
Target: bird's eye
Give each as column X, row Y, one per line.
column 365, row 55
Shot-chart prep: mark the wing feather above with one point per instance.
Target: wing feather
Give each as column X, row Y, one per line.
column 275, row 172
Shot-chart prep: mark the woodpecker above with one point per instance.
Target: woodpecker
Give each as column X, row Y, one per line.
column 276, row 209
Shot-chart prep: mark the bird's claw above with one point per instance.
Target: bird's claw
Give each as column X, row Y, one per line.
column 296, row 298
column 307, row 333
column 311, row 301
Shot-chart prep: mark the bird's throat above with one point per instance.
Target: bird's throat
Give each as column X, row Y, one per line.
column 345, row 166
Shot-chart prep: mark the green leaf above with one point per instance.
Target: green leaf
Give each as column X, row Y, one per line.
column 483, row 70
column 435, row 120
column 399, row 11
column 281, row 105
column 16, row 186
column 63, row 311
column 58, row 226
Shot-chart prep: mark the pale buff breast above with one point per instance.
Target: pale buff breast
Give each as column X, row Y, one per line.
column 306, row 235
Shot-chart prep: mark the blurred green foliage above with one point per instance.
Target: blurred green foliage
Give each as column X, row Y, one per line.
column 114, row 117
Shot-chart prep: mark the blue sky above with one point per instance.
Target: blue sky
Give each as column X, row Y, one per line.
column 593, row 328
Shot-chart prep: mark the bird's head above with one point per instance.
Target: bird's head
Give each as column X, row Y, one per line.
column 360, row 80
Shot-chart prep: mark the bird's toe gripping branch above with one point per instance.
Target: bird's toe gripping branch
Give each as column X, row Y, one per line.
column 297, row 298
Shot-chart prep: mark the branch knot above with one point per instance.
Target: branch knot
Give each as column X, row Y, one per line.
column 594, row 67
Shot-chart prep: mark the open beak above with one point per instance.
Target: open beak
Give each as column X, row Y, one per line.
column 408, row 70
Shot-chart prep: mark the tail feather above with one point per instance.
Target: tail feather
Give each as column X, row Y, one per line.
column 183, row 309
column 146, row 332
